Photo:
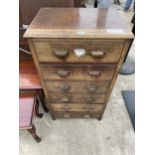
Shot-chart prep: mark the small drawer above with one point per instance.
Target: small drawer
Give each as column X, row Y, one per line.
column 82, row 51
column 77, row 107
column 77, row 86
column 75, row 97
column 77, row 71
column 60, row 114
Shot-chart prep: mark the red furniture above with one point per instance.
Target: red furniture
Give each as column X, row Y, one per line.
column 28, row 77
column 28, row 107
column 30, row 81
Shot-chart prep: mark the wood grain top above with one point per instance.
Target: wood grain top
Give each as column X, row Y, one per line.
column 78, row 23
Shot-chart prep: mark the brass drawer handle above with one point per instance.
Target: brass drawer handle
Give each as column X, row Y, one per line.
column 65, row 88
column 91, row 88
column 65, row 108
column 98, row 54
column 87, row 116
column 88, row 108
column 63, row 73
column 61, row 54
column 67, row 115
column 94, row 73
column 89, row 99
column 65, row 99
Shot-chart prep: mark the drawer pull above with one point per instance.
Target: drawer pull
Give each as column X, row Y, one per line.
column 65, row 88
column 88, row 108
column 91, row 88
column 63, row 73
column 94, row 73
column 61, row 54
column 98, row 54
column 87, row 116
column 89, row 99
column 65, row 99
column 65, row 108
column 67, row 115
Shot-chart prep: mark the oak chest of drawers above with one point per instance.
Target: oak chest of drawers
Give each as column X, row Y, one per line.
column 78, row 54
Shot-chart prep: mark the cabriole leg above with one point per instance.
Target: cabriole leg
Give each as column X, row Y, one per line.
column 32, row 131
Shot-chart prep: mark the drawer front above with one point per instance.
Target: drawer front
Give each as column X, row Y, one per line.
column 74, row 98
column 66, row 114
column 77, row 87
column 78, row 72
column 92, row 51
column 77, row 107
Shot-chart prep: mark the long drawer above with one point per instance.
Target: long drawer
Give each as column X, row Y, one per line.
column 80, row 51
column 75, row 114
column 77, row 86
column 75, row 97
column 78, row 72
column 77, row 107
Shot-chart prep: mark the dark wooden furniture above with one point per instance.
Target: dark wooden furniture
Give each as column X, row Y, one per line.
column 78, row 55
column 29, row 81
column 95, row 3
column 28, row 10
column 28, row 106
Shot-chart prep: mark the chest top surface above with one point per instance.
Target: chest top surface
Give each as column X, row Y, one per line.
column 78, row 23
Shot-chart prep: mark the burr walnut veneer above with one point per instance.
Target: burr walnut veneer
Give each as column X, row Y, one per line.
column 78, row 53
